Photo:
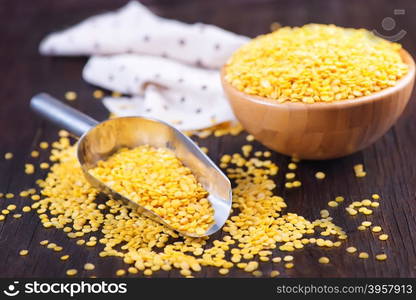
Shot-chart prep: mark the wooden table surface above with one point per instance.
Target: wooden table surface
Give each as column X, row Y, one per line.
column 390, row 162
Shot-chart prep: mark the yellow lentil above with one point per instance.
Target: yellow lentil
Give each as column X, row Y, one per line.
column 366, row 202
column 71, row 272
column 288, row 258
column 116, row 94
column 339, row 198
column 132, row 270
column 332, row 204
column 376, row 229
column 289, row 265
column 320, row 175
column 223, row 271
column 351, row 249
column 17, row 216
column 292, row 166
column 277, row 259
column 290, row 175
column 383, row 237
column 89, row 267
column 98, row 94
column 366, row 223
column 359, row 170
column 44, row 145
column 121, row 272
column 11, row 207
column 29, row 168
column 2, row 217
column 34, row 153
column 315, row 63
column 296, row 183
column 363, row 255
column 44, row 242
column 381, row 257
column 323, row 260
column 257, row 273
column 44, row 165
column 9, row 195
column 70, row 96
column 274, row 273
column 324, row 213
column 64, row 257
column 26, row 209
column 8, row 155
column 146, row 245
column 24, row 252
column 375, row 196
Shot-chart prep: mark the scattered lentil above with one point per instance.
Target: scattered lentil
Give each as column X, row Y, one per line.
column 383, row 237
column 351, row 249
column 323, row 260
column 320, row 175
column 71, row 272
column 8, row 155
column 381, row 257
column 70, row 96
column 29, row 168
column 363, row 255
column 274, row 273
column 376, row 229
column 98, row 94
column 89, row 267
column 44, row 145
column 24, row 252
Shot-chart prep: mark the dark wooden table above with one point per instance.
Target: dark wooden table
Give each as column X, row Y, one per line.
column 390, row 163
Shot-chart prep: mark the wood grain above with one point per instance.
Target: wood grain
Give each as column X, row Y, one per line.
column 390, row 162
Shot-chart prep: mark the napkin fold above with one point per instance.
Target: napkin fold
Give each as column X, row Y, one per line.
column 169, row 68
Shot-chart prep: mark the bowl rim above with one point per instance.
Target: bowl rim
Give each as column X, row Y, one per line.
column 401, row 83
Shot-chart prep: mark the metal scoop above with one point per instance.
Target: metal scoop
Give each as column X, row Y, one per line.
column 98, row 141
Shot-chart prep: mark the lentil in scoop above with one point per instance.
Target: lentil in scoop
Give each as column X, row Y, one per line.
column 157, row 180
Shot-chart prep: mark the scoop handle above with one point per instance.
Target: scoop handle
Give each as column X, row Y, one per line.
column 61, row 114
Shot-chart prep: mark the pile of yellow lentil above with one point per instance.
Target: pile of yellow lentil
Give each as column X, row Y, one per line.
column 257, row 227
column 315, row 63
column 157, row 180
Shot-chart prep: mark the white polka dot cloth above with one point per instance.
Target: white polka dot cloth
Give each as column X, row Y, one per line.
column 169, row 68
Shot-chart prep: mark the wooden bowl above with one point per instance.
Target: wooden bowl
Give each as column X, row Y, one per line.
column 322, row 130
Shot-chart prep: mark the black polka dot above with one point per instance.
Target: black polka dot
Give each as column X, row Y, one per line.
column 204, row 87
column 136, row 79
column 146, row 38
column 217, row 47
column 180, row 80
column 182, row 42
column 96, row 46
column 129, row 50
column 157, row 75
column 183, row 99
column 199, row 63
column 165, row 55
column 148, row 110
column 110, row 77
column 199, row 110
column 165, row 107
